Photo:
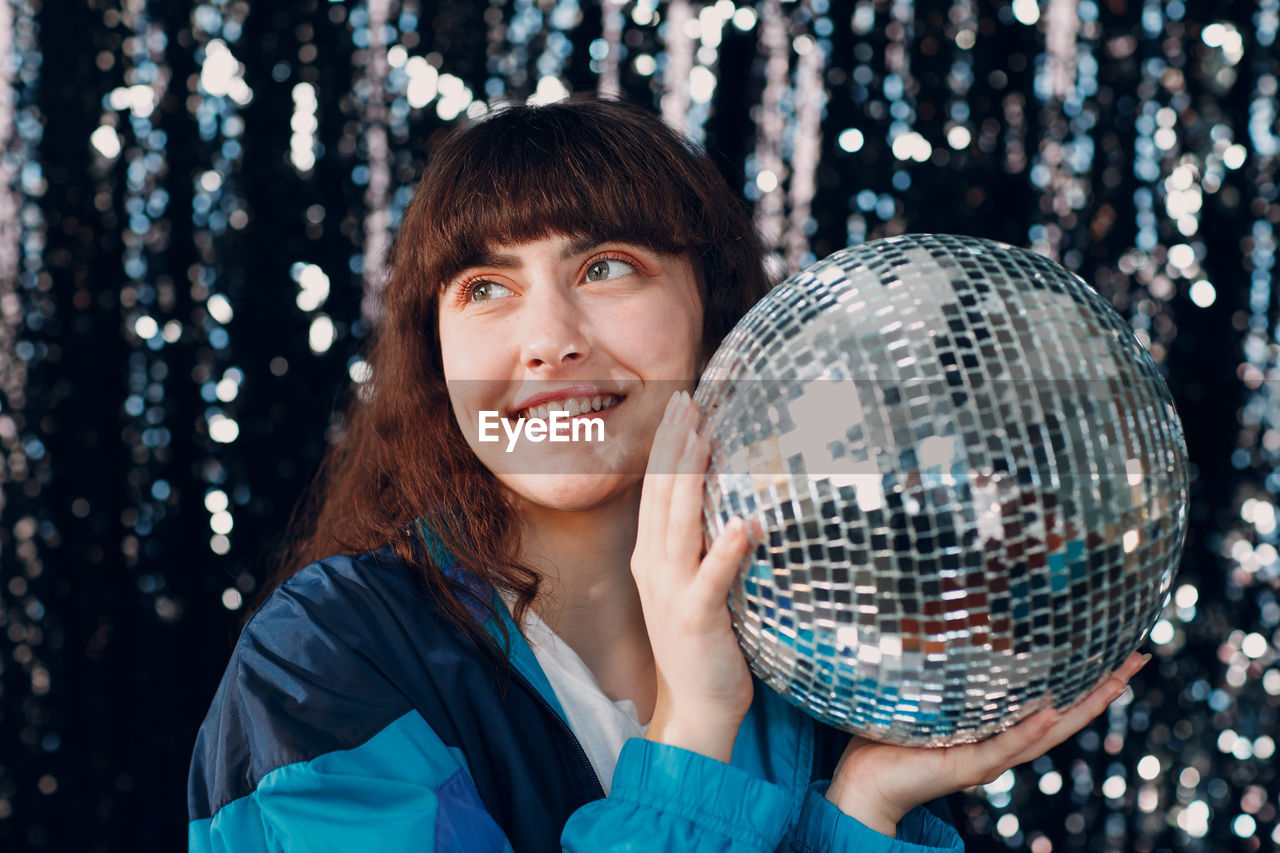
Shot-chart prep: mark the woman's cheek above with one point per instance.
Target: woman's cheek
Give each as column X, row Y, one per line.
column 666, row 336
column 466, row 406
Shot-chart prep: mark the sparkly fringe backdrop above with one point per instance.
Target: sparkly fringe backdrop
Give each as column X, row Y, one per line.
column 195, row 203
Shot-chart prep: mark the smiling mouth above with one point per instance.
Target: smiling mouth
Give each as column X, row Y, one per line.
column 574, row 406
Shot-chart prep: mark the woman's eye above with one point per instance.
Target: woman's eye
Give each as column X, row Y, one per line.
column 483, row 291
column 604, row 270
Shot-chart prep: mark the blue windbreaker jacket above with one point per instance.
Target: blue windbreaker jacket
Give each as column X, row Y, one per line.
column 352, row 716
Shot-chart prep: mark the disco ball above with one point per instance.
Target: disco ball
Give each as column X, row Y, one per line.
column 967, row 482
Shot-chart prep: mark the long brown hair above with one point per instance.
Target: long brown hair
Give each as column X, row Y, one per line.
column 403, row 473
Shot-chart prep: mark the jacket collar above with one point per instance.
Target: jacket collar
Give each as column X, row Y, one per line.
column 494, row 617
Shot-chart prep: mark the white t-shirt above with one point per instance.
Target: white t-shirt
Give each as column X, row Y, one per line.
column 600, row 724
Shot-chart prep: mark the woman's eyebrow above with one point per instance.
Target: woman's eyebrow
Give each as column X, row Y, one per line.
column 579, row 245
column 493, row 259
column 576, row 247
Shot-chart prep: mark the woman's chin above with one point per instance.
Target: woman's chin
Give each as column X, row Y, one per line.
column 573, row 492
column 570, row 477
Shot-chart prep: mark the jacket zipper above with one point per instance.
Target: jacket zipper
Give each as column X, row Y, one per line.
column 585, row 762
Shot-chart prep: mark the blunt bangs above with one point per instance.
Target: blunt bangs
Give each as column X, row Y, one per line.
column 606, row 172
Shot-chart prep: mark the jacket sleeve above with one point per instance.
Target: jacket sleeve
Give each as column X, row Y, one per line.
column 676, row 800
column 400, row 791
column 673, row 799
column 821, row 826
column 309, row 745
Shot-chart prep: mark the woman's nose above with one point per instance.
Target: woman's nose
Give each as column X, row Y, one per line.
column 552, row 333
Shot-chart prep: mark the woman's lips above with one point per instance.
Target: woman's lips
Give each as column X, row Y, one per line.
column 580, row 406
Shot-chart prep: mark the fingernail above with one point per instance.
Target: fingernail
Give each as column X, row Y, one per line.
column 671, row 407
column 1145, row 660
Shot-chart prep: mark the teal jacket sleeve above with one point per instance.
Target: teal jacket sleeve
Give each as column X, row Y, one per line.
column 666, row 798
column 823, row 827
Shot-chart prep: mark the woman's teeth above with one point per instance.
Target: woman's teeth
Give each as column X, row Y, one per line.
column 573, row 406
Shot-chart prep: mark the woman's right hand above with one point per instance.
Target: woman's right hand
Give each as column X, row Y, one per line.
column 704, row 685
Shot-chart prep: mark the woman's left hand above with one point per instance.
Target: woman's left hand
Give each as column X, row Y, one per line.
column 879, row 783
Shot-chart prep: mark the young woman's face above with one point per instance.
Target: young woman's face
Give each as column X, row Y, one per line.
column 602, row 331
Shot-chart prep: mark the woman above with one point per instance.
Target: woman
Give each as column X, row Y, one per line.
column 578, row 257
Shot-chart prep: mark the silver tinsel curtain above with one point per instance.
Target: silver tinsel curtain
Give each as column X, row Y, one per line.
column 196, row 200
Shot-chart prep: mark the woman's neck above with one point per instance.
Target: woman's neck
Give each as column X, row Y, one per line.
column 588, row 596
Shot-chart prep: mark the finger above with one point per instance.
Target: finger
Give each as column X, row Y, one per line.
column 692, row 413
column 989, row 758
column 684, row 507
column 1035, row 735
column 1131, row 666
column 719, row 568
column 655, row 493
column 1108, row 690
column 684, row 515
column 1087, row 709
column 668, row 440
column 755, row 531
